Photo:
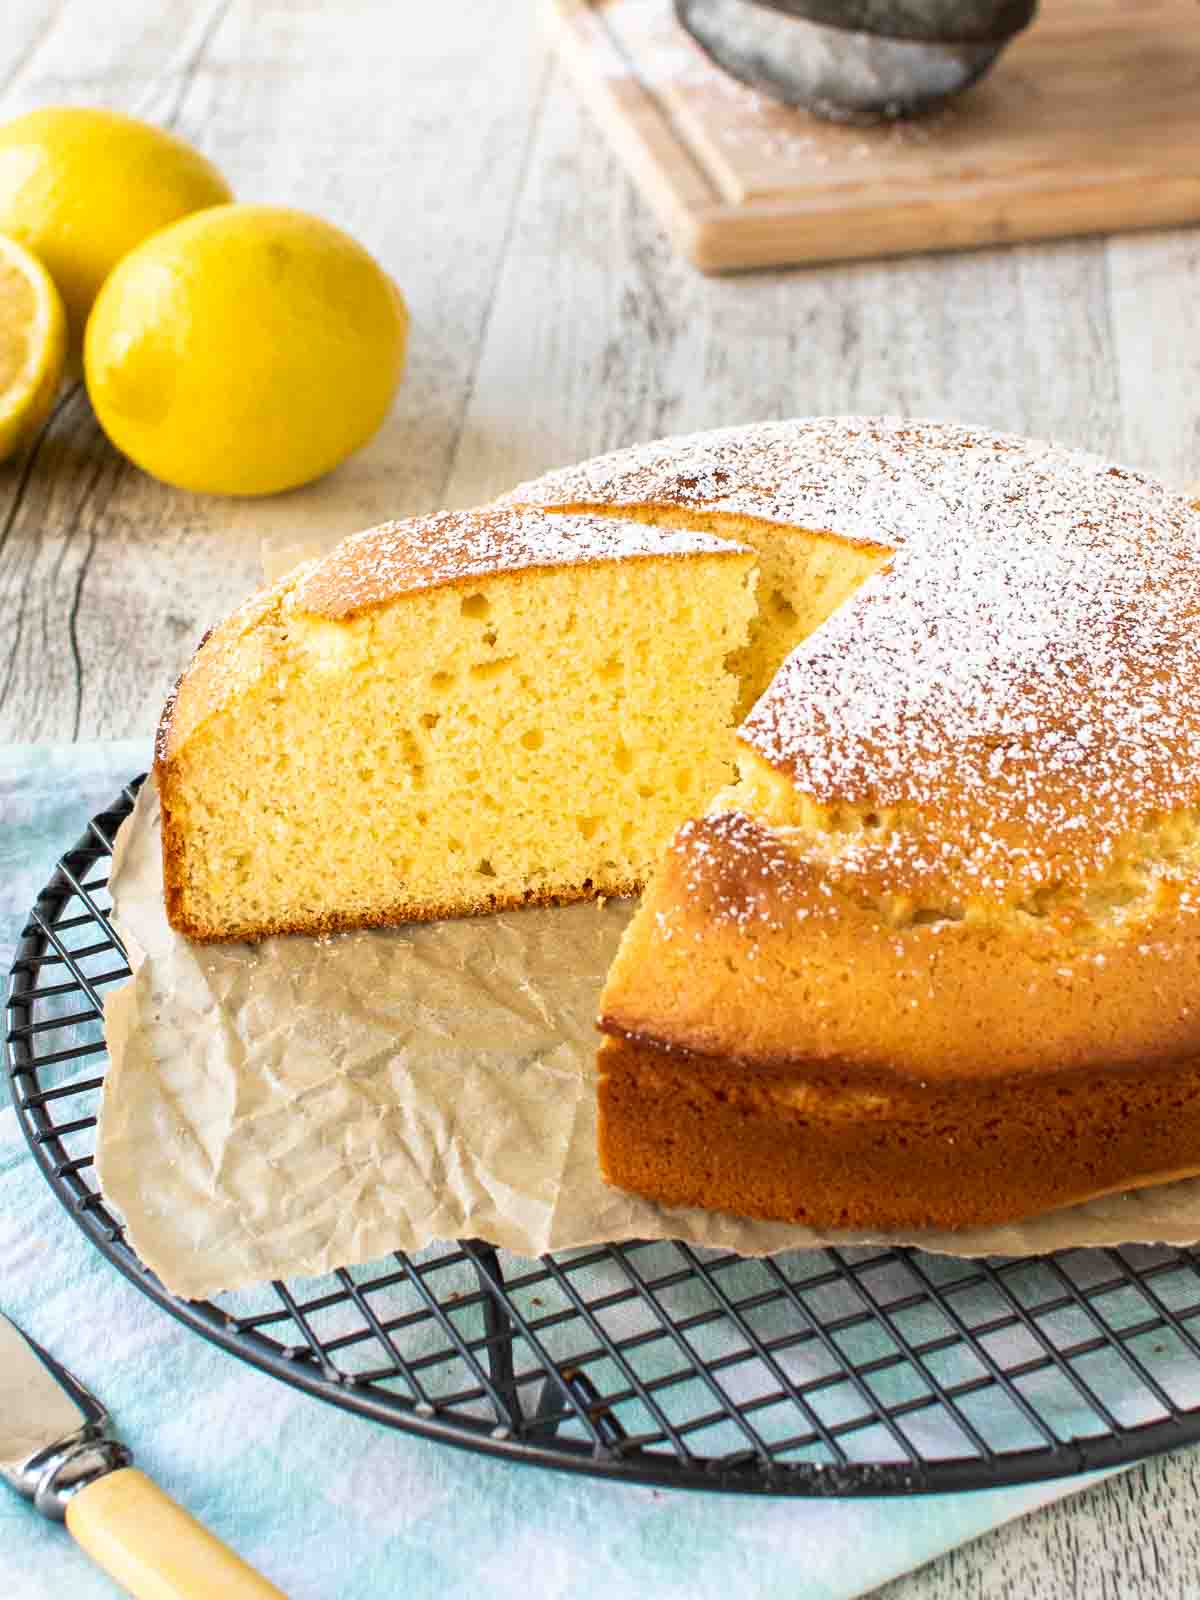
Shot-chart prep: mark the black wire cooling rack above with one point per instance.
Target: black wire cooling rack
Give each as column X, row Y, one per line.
column 822, row 1372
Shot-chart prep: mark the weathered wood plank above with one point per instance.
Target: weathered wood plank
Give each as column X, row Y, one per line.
column 601, row 335
column 1132, row 1538
column 56, row 504
column 25, row 31
column 136, row 61
column 1155, row 287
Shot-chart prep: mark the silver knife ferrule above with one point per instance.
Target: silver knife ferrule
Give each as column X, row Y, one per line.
column 53, row 1476
column 58, row 1437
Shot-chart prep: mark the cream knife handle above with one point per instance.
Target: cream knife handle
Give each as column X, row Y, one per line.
column 153, row 1548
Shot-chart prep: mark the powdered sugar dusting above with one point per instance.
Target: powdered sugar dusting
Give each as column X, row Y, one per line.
column 871, row 480
column 739, row 870
column 1018, row 682
column 377, row 566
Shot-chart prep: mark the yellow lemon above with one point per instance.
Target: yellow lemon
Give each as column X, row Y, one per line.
column 33, row 345
column 81, row 187
column 244, row 350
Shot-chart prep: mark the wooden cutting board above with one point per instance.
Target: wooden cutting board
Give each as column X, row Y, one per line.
column 1089, row 122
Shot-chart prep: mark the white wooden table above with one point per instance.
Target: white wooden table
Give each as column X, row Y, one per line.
column 550, row 321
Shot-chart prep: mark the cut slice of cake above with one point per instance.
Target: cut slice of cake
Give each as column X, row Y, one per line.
column 450, row 715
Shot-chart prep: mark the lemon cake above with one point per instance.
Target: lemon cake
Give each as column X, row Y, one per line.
column 928, row 958
column 934, row 958
column 450, row 715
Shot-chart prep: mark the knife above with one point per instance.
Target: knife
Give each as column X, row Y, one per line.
column 57, row 1449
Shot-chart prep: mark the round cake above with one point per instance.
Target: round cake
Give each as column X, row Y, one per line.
column 934, row 958
column 920, row 940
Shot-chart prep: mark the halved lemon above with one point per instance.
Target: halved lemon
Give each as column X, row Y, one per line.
column 33, row 345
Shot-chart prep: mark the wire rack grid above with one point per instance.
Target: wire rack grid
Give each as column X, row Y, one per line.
column 824, row 1372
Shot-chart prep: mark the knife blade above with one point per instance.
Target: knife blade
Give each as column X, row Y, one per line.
column 56, row 1449
column 53, row 1431
column 35, row 1411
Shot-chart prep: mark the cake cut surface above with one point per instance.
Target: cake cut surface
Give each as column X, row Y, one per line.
column 457, row 714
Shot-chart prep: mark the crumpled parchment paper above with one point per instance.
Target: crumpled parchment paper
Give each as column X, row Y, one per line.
column 285, row 1108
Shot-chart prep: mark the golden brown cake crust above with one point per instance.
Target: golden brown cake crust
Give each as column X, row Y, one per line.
column 452, row 548
column 822, row 1150
column 228, row 658
column 746, row 949
column 395, row 916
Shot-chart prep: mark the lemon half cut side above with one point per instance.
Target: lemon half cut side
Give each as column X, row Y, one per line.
column 33, row 345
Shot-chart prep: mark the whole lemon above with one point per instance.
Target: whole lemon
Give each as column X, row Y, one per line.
column 80, row 187
column 244, row 350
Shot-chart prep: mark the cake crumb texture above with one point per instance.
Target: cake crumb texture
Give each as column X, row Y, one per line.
column 451, row 716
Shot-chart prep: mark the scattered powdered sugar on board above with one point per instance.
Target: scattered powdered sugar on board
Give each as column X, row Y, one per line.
column 1020, row 677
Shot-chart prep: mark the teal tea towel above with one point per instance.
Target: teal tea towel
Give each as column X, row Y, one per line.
column 325, row 1503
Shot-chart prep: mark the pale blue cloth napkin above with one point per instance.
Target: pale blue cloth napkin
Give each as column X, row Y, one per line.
column 327, row 1504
